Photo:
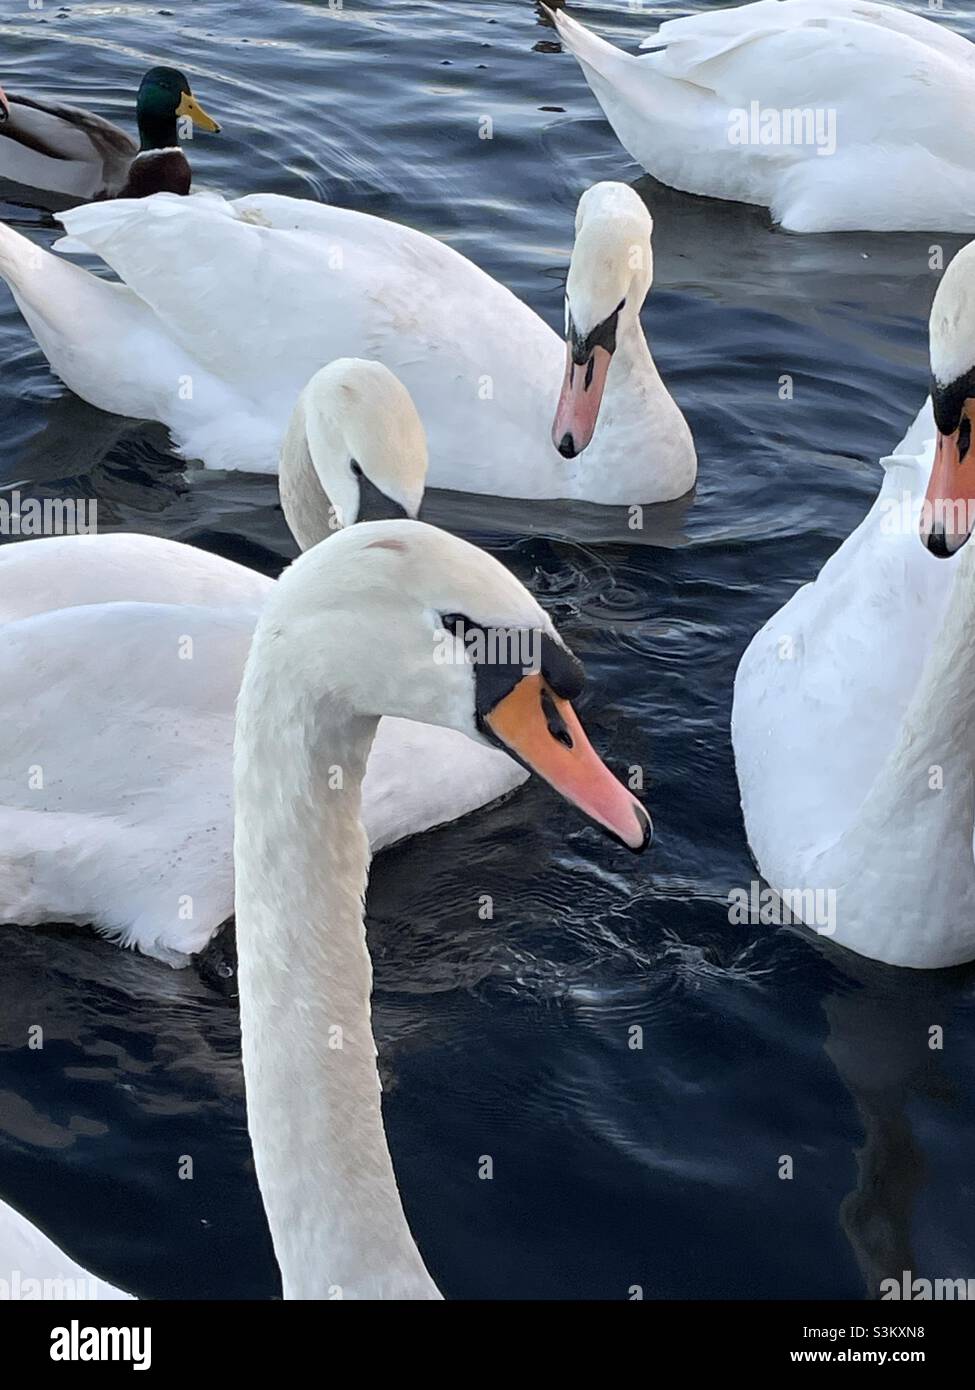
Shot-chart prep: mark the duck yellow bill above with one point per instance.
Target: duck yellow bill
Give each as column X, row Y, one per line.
column 949, row 503
column 544, row 733
column 578, row 408
column 189, row 106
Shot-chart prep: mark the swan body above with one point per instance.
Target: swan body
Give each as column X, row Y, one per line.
column 122, row 658
column 175, row 341
column 852, row 714
column 895, row 89
column 33, row 1267
column 64, row 150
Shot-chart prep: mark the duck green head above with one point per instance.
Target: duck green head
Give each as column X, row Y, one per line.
column 164, row 96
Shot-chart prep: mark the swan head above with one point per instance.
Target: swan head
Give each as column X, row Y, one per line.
column 356, row 438
column 949, row 505
column 422, row 625
column 609, row 275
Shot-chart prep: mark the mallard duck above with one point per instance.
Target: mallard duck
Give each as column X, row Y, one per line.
column 74, row 153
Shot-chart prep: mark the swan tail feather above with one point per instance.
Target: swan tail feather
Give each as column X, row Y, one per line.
column 18, row 255
column 84, row 325
column 592, row 51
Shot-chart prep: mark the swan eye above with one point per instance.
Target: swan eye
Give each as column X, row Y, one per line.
column 964, row 437
column 356, row 470
column 456, row 624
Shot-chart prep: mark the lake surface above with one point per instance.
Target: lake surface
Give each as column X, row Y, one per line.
column 614, row 1166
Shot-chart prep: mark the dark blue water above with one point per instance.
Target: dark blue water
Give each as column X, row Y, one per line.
column 613, row 1166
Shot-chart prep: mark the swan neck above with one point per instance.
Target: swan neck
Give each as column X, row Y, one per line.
column 911, row 840
column 302, row 486
column 940, row 711
column 632, row 357
column 313, row 1092
column 637, row 408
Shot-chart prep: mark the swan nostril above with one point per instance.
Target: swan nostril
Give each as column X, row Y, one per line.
column 567, row 447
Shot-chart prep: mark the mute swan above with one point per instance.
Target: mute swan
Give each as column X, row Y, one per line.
column 122, row 659
column 852, row 716
column 838, row 115
column 226, row 308
column 353, row 631
column 350, row 634
column 74, row 153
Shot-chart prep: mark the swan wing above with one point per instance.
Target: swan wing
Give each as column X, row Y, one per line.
column 79, row 571
column 891, row 77
column 419, row 777
column 116, row 736
column 27, row 1254
column 696, row 39
column 115, row 772
column 252, row 297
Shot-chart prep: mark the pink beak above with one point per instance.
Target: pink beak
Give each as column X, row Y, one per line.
column 4, row 104
column 579, row 402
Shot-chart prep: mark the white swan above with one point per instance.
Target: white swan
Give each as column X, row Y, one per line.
column 892, row 93
column 226, row 309
column 853, row 706
column 122, row 657
column 354, row 631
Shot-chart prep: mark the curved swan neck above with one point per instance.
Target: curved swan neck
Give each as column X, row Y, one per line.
column 632, row 360
column 301, row 482
column 313, row 1092
column 641, row 431
column 935, row 730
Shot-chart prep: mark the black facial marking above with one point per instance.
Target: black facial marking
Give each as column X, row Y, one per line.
column 374, row 505
column 563, row 671
column 603, row 335
column 964, row 438
column 494, row 679
column 557, row 726
column 948, row 401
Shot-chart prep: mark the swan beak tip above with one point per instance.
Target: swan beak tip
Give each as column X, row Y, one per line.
column 643, row 838
column 579, row 400
column 949, row 503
